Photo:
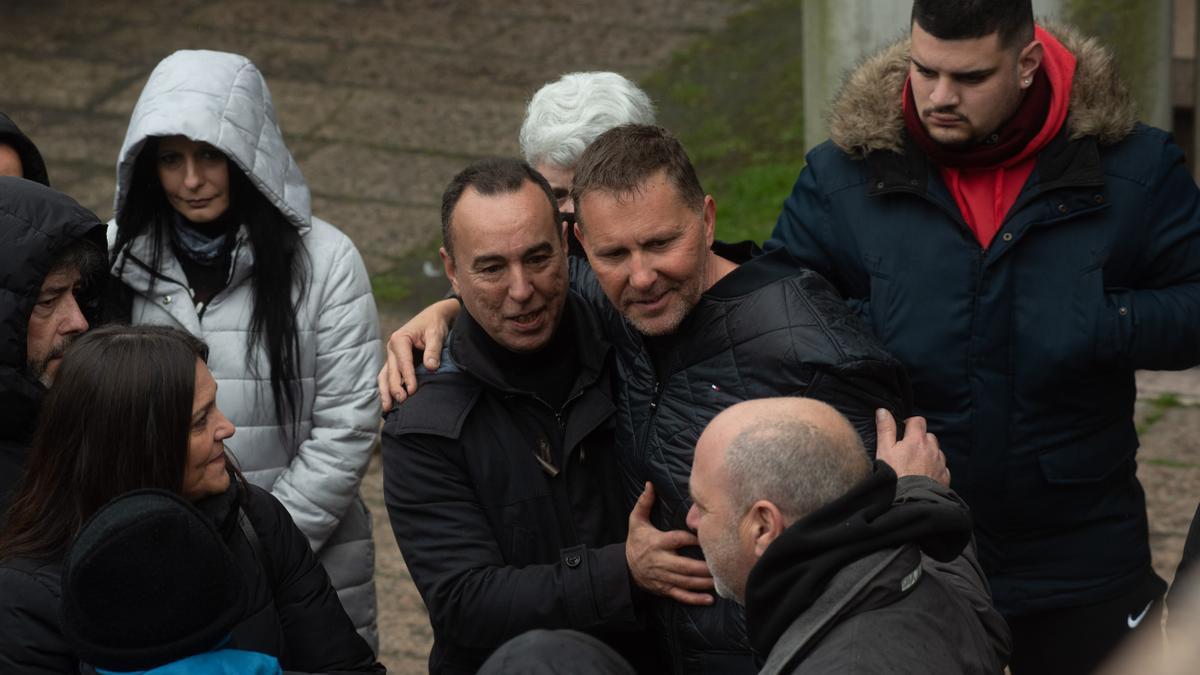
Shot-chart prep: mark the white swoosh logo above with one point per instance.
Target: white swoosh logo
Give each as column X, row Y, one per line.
column 1134, row 621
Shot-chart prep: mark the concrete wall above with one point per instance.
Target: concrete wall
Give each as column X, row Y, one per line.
column 1140, row 32
column 839, row 33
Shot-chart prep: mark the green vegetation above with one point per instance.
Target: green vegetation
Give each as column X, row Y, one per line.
column 736, row 101
column 404, row 286
column 1120, row 26
column 1170, row 463
column 392, row 286
column 1158, row 407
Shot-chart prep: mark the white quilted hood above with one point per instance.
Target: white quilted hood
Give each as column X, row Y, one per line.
column 223, row 100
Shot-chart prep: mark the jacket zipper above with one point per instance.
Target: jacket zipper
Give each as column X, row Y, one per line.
column 560, row 419
column 655, row 399
column 203, row 306
column 562, row 425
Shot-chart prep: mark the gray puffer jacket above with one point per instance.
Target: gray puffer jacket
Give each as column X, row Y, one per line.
column 315, row 468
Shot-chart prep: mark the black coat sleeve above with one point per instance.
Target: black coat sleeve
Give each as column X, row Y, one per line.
column 475, row 598
column 855, row 374
column 31, row 639
column 318, row 635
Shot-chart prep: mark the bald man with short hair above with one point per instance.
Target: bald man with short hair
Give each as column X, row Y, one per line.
column 838, row 559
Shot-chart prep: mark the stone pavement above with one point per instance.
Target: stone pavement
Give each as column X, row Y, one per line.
column 381, row 102
column 1168, row 414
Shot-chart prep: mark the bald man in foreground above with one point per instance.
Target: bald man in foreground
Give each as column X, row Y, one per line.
column 842, row 567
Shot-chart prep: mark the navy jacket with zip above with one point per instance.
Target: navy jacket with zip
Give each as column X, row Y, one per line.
column 1022, row 356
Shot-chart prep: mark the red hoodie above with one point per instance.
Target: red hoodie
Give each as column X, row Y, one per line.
column 984, row 195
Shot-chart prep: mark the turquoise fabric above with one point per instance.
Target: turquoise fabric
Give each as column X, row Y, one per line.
column 220, row 662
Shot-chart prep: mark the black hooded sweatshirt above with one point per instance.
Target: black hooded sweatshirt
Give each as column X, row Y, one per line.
column 36, row 223
column 798, row 565
column 881, row 579
column 33, row 166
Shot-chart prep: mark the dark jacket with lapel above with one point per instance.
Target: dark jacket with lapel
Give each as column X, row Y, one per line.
column 495, row 544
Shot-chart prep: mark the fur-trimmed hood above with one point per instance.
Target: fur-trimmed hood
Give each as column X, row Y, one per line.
column 867, row 113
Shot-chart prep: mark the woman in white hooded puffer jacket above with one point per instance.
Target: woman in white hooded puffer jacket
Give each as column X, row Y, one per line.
column 214, row 234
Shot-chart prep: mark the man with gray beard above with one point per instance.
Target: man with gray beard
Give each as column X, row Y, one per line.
column 838, row 562
column 51, row 251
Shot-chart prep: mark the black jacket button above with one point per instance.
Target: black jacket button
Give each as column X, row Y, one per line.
column 573, row 560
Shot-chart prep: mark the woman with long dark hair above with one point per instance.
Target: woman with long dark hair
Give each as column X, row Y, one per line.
column 214, row 234
column 131, row 408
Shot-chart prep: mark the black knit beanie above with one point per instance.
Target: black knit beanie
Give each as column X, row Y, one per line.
column 148, row 581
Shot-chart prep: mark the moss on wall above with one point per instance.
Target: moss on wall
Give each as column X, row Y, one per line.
column 1134, row 30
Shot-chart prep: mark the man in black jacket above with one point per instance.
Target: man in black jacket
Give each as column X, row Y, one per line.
column 696, row 327
column 840, row 565
column 51, row 251
column 699, row 326
column 499, row 472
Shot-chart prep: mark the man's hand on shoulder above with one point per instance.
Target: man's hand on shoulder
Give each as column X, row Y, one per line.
column 918, row 454
column 654, row 564
column 425, row 331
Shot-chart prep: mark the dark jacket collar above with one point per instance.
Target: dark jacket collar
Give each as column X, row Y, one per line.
column 755, row 269
column 1064, row 162
column 866, row 115
column 223, row 508
column 36, row 222
column 591, row 350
